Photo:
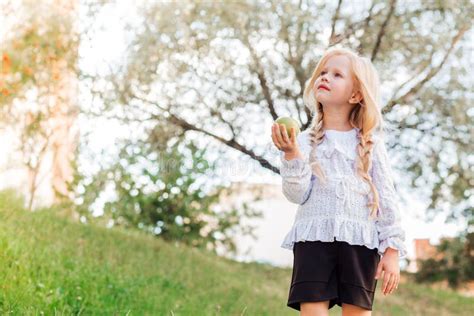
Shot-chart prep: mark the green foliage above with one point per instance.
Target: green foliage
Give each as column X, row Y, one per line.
column 454, row 262
column 11, row 199
column 38, row 67
column 161, row 191
column 37, row 56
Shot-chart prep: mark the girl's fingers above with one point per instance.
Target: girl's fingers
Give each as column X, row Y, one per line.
column 390, row 283
column 388, row 288
column 284, row 134
column 394, row 283
column 378, row 273
column 395, row 286
column 293, row 136
column 386, row 279
column 278, row 135
column 274, row 138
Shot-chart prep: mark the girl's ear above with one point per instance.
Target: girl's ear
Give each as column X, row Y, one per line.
column 356, row 97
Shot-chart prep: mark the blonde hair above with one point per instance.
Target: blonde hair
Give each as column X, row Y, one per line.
column 365, row 115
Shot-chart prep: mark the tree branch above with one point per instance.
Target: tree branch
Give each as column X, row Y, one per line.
column 173, row 118
column 231, row 143
column 261, row 77
column 332, row 37
column 381, row 32
column 294, row 60
column 413, row 77
column 433, row 72
column 366, row 23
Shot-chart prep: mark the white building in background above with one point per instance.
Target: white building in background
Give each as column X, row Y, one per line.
column 278, row 216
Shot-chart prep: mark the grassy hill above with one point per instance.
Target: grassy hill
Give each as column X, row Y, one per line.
column 50, row 265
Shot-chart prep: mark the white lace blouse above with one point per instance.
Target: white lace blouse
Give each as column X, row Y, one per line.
column 338, row 210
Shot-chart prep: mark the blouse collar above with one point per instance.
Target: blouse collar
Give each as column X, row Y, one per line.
column 335, row 134
column 342, row 141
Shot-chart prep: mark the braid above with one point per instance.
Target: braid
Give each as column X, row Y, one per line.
column 363, row 164
column 316, row 136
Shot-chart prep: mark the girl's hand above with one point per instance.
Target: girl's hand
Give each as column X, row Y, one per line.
column 282, row 141
column 391, row 277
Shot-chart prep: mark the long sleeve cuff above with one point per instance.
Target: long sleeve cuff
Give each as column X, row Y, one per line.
column 294, row 168
column 395, row 243
column 391, row 232
column 296, row 179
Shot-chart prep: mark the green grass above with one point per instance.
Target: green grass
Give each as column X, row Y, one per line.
column 52, row 266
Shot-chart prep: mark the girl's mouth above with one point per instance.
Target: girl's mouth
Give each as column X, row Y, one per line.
column 323, row 87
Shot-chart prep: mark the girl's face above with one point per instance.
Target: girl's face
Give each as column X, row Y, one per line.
column 336, row 77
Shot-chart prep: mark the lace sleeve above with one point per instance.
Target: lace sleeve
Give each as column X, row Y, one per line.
column 296, row 173
column 388, row 223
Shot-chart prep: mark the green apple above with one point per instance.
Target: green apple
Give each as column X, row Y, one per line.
column 289, row 123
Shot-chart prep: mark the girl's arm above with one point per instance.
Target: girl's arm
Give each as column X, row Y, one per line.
column 296, row 173
column 391, row 234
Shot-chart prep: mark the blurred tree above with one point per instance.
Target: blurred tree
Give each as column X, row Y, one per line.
column 38, row 92
column 226, row 70
column 454, row 262
column 157, row 188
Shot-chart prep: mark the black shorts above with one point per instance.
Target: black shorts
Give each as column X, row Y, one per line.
column 336, row 271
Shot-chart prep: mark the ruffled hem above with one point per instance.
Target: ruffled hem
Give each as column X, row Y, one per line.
column 395, row 243
column 353, row 232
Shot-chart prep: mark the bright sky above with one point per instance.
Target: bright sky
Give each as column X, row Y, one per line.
column 108, row 45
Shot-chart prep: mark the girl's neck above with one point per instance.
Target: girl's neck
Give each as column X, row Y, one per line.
column 337, row 117
column 336, row 121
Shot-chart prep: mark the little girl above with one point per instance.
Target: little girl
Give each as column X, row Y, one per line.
column 347, row 226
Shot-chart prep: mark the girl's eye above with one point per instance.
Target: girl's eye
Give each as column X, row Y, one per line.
column 337, row 74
